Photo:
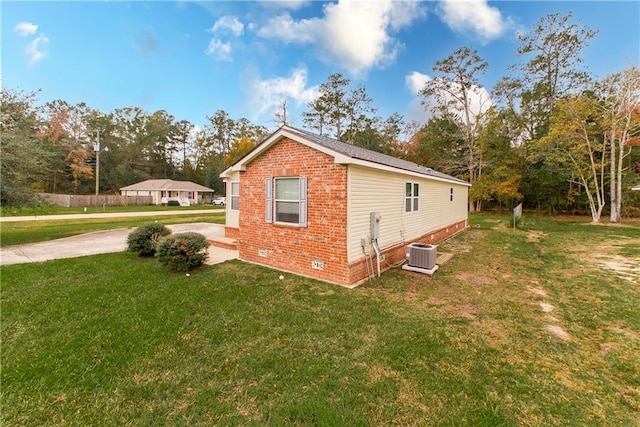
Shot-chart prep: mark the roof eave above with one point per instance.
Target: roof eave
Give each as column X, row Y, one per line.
column 283, row 132
column 378, row 166
column 339, row 158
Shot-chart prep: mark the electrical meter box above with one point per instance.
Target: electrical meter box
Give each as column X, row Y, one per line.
column 375, row 219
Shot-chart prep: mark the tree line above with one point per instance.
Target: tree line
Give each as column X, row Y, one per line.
column 549, row 135
column 52, row 148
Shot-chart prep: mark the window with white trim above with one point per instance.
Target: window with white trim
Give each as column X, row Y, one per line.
column 235, row 195
column 412, row 197
column 286, row 200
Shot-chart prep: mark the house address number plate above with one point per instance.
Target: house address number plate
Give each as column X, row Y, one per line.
column 318, row 265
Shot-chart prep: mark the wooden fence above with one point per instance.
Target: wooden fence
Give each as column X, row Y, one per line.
column 77, row 200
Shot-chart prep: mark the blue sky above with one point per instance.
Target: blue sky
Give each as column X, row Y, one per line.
column 193, row 58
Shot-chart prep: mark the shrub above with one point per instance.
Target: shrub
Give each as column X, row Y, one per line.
column 183, row 251
column 144, row 240
column 173, row 203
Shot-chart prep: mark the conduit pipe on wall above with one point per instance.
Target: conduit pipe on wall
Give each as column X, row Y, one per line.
column 376, row 248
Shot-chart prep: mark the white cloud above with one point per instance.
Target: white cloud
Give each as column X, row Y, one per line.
column 267, row 94
column 473, row 17
column 285, row 28
column 219, row 50
column 228, row 24
column 354, row 35
column 34, row 49
column 479, row 99
column 26, row 28
column 285, row 4
column 416, row 81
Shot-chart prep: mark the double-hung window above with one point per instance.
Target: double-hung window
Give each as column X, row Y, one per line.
column 412, row 197
column 286, row 200
column 235, row 195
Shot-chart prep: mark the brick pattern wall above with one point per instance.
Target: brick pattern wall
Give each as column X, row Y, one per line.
column 289, row 247
column 396, row 253
column 231, row 232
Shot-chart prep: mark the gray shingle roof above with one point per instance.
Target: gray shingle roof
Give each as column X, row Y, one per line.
column 360, row 153
column 166, row 184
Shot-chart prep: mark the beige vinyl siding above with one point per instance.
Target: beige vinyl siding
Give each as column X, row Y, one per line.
column 232, row 215
column 372, row 190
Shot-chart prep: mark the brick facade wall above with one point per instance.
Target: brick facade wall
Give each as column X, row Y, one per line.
column 231, row 232
column 290, row 247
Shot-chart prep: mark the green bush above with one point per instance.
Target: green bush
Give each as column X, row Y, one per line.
column 144, row 240
column 183, row 251
column 173, row 203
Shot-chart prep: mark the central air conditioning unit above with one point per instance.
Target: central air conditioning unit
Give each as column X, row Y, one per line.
column 422, row 258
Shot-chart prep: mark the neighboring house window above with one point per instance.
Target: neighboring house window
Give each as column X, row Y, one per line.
column 286, row 200
column 451, row 195
column 235, row 195
column 412, row 197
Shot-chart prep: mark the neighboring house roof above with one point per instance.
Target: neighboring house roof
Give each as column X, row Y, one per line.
column 166, row 185
column 343, row 153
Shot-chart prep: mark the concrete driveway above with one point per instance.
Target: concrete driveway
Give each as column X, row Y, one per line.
column 102, row 242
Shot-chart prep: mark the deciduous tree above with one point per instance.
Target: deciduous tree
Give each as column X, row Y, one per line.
column 620, row 95
column 575, row 141
column 457, row 95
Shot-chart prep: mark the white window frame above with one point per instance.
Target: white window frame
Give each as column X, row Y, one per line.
column 271, row 209
column 235, row 196
column 412, row 197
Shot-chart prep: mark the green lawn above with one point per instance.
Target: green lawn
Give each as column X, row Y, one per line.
column 14, row 233
column 60, row 210
column 519, row 328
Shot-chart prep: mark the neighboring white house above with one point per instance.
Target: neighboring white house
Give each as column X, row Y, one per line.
column 162, row 191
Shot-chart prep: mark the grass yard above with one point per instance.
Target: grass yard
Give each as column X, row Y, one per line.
column 61, row 210
column 15, row 233
column 534, row 327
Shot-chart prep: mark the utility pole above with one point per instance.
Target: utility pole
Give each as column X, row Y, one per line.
column 96, row 148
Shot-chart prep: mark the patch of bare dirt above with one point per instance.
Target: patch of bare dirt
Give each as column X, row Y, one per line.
column 559, row 332
column 538, row 292
column 547, row 308
column 600, row 255
column 625, row 268
column 476, row 279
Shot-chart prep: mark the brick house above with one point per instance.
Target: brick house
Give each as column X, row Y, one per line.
column 302, row 203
